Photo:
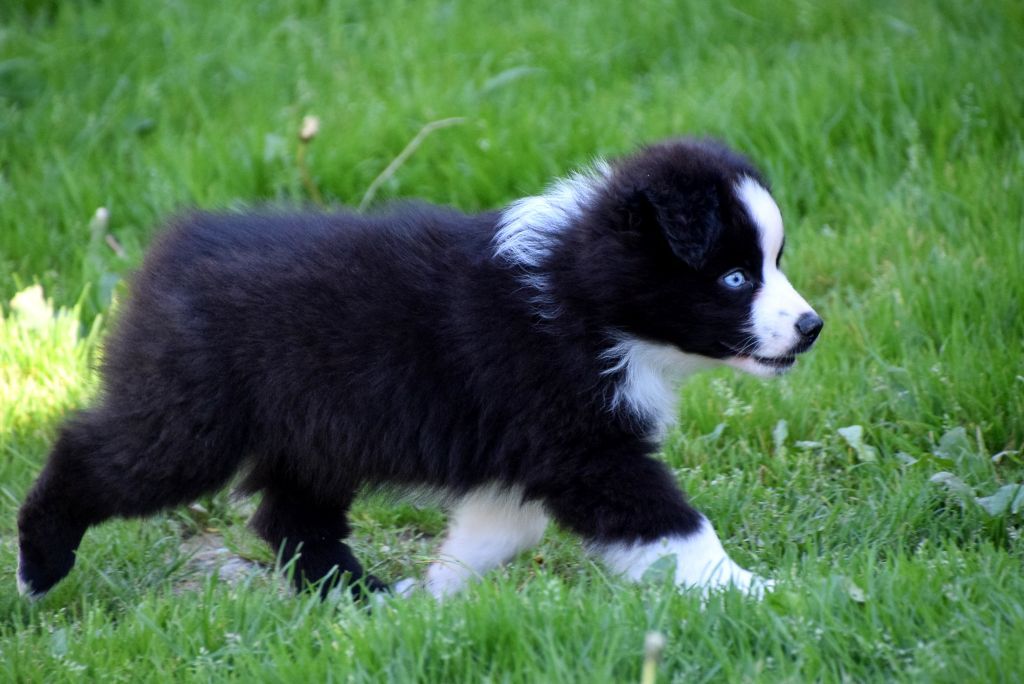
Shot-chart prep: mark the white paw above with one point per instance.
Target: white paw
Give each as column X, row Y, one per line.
column 700, row 562
column 399, row 591
column 24, row 588
column 441, row 582
column 439, row 590
column 405, row 587
column 727, row 574
column 761, row 586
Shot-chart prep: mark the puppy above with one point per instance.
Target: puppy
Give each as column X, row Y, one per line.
column 524, row 363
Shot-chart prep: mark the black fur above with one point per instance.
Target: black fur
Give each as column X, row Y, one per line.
column 320, row 354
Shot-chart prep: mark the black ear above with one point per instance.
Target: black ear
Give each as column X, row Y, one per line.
column 689, row 222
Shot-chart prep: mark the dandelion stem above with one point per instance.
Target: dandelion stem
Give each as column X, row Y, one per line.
column 397, row 162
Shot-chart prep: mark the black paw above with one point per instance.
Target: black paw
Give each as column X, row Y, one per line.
column 38, row 572
column 361, row 589
column 374, row 585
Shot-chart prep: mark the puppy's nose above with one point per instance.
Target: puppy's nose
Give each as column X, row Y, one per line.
column 809, row 325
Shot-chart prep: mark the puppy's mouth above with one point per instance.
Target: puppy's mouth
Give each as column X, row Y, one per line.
column 780, row 363
column 764, row 366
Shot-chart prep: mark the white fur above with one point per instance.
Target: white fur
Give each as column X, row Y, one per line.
column 651, row 373
column 487, row 528
column 701, row 561
column 491, row 525
column 528, row 225
column 777, row 306
column 24, row 589
column 529, row 228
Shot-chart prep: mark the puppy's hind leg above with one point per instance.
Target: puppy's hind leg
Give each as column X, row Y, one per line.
column 310, row 534
column 107, row 464
column 51, row 521
column 487, row 529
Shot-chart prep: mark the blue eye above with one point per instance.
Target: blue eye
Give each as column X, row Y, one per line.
column 734, row 280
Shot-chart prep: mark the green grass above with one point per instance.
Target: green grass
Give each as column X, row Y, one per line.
column 893, row 135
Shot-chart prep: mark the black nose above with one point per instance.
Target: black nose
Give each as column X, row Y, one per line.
column 809, row 325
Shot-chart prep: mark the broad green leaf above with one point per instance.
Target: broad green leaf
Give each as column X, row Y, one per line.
column 854, row 436
column 1007, row 498
column 954, row 484
column 954, row 445
column 905, row 458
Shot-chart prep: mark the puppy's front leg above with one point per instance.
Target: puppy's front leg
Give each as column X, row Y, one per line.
column 631, row 514
column 700, row 560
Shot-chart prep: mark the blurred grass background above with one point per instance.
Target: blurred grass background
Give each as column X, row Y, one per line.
column 892, row 134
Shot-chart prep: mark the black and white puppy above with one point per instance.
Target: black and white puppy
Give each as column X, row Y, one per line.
column 523, row 362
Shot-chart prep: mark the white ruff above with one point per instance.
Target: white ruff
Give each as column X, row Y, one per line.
column 528, row 227
column 650, row 376
column 487, row 528
column 700, row 561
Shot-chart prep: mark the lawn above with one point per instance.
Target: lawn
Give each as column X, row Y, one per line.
column 875, row 482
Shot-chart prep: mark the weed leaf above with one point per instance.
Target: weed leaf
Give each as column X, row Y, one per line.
column 1008, row 498
column 854, row 436
column 954, row 445
column 954, row 484
column 905, row 458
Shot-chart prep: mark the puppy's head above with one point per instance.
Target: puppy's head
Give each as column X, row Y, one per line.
column 707, row 239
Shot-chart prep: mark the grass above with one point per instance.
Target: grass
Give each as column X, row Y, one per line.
column 892, row 133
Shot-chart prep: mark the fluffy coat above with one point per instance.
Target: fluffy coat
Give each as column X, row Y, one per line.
column 521, row 362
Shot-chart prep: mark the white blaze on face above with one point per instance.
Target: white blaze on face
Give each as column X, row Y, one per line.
column 777, row 306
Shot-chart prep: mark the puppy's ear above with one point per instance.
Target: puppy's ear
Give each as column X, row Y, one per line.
column 688, row 222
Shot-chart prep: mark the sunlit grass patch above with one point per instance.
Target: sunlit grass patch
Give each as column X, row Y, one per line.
column 45, row 359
